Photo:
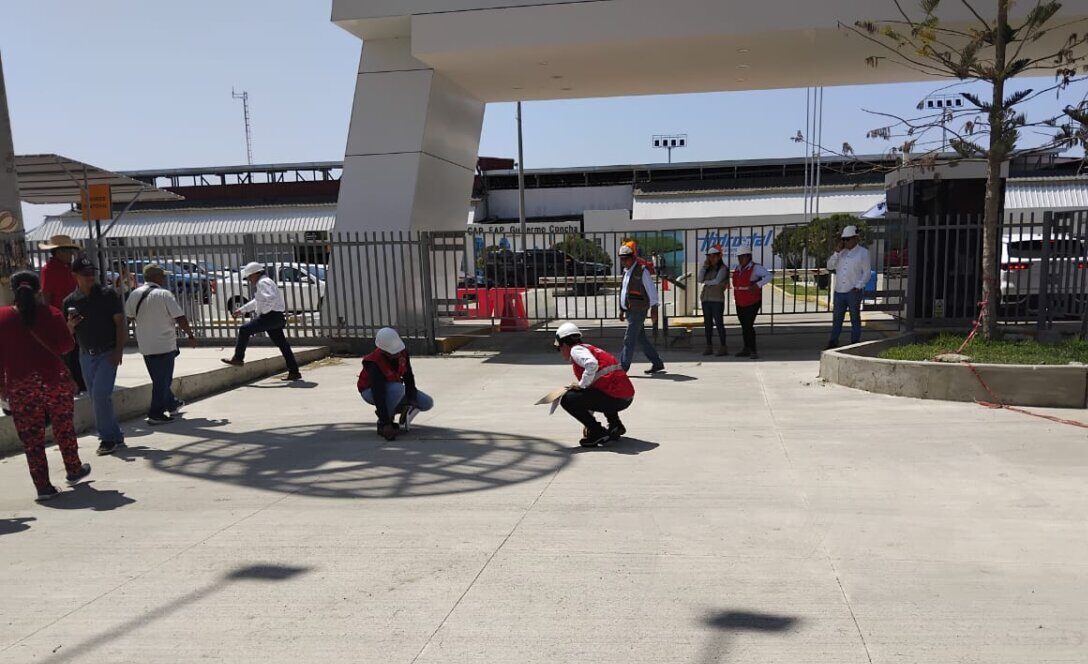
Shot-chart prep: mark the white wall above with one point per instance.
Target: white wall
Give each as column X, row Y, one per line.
column 559, row 201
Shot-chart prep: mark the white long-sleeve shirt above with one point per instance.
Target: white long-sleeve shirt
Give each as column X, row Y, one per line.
column 852, row 268
column 267, row 299
column 647, row 285
column 583, row 358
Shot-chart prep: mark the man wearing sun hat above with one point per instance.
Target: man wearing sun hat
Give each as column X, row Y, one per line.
column 852, row 267
column 58, row 282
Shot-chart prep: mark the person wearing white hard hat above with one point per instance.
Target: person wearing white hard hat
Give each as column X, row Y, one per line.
column 270, row 318
column 602, row 387
column 388, row 383
column 714, row 276
column 638, row 297
column 852, row 267
column 749, row 278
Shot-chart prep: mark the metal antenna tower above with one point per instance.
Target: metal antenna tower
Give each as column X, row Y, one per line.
column 244, row 96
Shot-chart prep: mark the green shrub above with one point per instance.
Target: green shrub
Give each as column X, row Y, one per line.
column 581, row 249
column 823, row 234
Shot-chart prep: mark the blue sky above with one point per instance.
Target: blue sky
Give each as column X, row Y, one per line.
column 128, row 84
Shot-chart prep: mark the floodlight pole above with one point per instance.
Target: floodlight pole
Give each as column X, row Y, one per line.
column 13, row 253
column 521, row 179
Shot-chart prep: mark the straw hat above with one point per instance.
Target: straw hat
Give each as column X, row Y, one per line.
column 59, row 242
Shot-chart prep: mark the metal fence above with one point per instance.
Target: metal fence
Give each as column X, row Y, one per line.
column 343, row 287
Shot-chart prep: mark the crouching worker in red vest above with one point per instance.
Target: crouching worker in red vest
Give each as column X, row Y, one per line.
column 602, row 387
column 387, row 382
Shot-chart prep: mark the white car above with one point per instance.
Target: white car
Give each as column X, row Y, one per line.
column 1022, row 273
column 301, row 284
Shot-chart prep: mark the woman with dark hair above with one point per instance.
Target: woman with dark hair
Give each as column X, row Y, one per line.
column 35, row 382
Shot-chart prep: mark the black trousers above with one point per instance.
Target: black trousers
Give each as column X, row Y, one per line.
column 71, row 360
column 714, row 316
column 271, row 324
column 581, row 404
column 747, row 316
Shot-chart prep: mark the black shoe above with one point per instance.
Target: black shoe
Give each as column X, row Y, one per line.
column 388, row 431
column 107, row 447
column 84, row 471
column 156, row 420
column 233, row 362
column 616, row 431
column 292, row 377
column 178, row 405
column 709, row 350
column 754, row 356
column 656, row 369
column 595, row 438
column 744, row 353
column 723, row 352
column 46, row 494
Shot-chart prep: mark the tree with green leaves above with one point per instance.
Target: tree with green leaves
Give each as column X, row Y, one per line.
column 789, row 243
column 993, row 51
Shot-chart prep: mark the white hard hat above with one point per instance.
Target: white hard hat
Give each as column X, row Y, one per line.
column 849, row 232
column 744, row 249
column 626, row 251
column 566, row 330
column 389, row 341
column 714, row 250
column 251, row 269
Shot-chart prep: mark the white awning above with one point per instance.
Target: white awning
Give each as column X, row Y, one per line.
column 51, row 178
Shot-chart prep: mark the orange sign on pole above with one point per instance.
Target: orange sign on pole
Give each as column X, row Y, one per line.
column 97, row 202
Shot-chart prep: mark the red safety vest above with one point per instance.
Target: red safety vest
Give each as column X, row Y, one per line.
column 393, row 373
column 742, row 279
column 613, row 382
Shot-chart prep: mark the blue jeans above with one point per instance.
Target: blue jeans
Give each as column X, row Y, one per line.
column 161, row 370
column 636, row 334
column 100, row 375
column 844, row 301
column 394, row 398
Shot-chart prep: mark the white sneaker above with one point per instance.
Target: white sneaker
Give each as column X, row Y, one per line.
column 406, row 419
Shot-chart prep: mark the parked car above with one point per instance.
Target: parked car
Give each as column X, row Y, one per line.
column 185, row 284
column 302, row 287
column 527, row 268
column 1022, row 269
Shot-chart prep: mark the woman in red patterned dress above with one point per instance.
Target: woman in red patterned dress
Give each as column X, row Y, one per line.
column 35, row 382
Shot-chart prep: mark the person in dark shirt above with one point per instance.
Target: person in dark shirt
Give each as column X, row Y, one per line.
column 97, row 317
column 387, row 382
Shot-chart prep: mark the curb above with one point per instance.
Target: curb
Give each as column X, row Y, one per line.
column 133, row 402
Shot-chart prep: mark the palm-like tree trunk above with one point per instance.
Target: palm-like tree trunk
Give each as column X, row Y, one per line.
column 991, row 289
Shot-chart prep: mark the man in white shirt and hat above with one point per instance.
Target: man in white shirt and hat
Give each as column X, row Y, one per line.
column 270, row 318
column 638, row 297
column 852, row 267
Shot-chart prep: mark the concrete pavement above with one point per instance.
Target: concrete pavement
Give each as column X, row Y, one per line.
column 755, row 515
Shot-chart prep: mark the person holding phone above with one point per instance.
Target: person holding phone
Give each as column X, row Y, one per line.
column 96, row 316
column 853, row 268
column 36, row 383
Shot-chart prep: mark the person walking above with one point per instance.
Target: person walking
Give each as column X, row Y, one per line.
column 714, row 276
column 388, row 383
column 853, row 268
column 603, row 387
column 35, row 381
column 97, row 316
column 58, row 282
column 749, row 278
column 158, row 315
column 269, row 307
column 638, row 297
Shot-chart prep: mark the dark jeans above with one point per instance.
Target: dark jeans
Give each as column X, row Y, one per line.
column 844, row 301
column 747, row 316
column 71, row 360
column 636, row 334
column 271, row 324
column 714, row 316
column 161, row 370
column 581, row 404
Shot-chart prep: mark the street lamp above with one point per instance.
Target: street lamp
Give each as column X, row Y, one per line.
column 670, row 142
column 945, row 104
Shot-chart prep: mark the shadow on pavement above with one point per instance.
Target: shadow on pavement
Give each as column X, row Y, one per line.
column 286, row 385
column 86, row 497
column 16, row 525
column 263, row 573
column 348, row 460
column 674, row 377
column 726, row 623
column 628, row 446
